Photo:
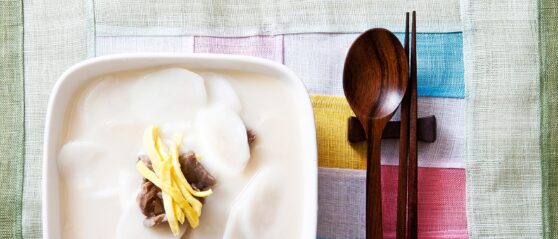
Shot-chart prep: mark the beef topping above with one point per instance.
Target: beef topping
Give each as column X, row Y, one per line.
column 251, row 136
column 195, row 173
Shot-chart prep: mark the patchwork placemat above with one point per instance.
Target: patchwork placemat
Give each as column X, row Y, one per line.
column 85, row 29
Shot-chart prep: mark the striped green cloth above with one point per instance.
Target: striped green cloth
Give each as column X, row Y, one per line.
column 548, row 30
column 11, row 117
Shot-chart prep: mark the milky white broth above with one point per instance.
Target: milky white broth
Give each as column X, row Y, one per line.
column 258, row 198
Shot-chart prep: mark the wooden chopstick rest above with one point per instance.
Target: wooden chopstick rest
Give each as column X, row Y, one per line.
column 426, row 130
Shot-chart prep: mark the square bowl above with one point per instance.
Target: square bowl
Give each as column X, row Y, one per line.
column 79, row 75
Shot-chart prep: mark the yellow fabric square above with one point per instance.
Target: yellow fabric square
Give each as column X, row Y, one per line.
column 334, row 150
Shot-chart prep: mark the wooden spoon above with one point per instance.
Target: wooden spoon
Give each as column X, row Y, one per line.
column 374, row 81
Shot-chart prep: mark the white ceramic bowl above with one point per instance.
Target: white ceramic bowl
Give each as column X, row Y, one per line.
column 78, row 75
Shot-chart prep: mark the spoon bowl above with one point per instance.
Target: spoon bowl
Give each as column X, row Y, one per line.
column 375, row 74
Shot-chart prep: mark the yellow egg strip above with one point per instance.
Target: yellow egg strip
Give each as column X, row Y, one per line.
column 146, row 173
column 171, row 218
column 179, row 213
column 161, row 148
column 168, row 203
column 191, row 216
column 150, row 136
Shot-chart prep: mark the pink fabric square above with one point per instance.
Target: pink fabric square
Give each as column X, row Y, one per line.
column 268, row 47
column 441, row 202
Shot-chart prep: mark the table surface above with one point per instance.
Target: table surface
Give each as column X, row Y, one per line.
column 487, row 70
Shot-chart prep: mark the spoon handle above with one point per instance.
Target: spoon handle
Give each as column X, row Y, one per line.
column 373, row 180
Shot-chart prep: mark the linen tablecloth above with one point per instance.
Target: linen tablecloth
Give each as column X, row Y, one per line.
column 488, row 70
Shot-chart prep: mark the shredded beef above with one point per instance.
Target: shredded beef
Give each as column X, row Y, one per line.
column 195, row 173
column 251, row 136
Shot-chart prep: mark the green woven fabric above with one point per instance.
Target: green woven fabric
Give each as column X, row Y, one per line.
column 11, row 117
column 500, row 42
column 548, row 19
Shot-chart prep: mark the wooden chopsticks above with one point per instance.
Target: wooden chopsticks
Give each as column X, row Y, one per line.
column 408, row 163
